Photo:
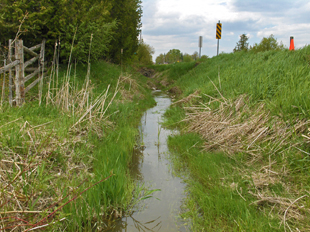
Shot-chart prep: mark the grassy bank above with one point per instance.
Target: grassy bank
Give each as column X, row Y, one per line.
column 244, row 119
column 65, row 164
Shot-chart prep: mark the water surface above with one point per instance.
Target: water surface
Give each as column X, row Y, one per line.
column 152, row 167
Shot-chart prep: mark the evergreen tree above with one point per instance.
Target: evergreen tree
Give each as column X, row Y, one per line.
column 242, row 44
column 127, row 14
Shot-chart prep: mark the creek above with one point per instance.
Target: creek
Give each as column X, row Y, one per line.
column 151, row 166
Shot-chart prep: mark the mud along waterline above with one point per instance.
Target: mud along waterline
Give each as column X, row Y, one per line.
column 152, row 167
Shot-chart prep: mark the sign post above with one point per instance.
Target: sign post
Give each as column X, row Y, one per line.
column 218, row 35
column 200, row 46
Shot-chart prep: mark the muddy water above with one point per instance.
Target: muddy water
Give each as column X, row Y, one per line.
column 159, row 213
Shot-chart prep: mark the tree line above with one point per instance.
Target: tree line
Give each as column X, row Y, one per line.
column 266, row 44
column 112, row 24
column 175, row 55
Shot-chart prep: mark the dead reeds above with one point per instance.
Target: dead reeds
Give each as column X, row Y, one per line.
column 235, row 127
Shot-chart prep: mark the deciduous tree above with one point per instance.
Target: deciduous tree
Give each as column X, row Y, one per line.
column 267, row 44
column 187, row 58
column 174, row 55
column 195, row 55
column 160, row 59
column 144, row 54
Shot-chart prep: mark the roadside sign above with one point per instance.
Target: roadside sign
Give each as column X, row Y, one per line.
column 218, row 35
column 218, row 31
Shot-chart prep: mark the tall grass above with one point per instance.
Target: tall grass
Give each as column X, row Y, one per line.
column 252, row 113
column 279, row 78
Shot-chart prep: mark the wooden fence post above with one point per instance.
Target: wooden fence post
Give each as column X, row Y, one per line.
column 10, row 73
column 20, row 75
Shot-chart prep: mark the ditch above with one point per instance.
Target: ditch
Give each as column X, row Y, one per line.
column 152, row 168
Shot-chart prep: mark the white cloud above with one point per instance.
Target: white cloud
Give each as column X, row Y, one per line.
column 169, row 24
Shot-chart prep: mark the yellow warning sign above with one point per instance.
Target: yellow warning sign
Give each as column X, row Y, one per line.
column 218, row 30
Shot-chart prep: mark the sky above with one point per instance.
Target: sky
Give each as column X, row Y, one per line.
column 177, row 24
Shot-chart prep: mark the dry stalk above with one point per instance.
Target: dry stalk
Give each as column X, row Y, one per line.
column 188, row 98
column 52, row 76
column 19, row 32
column 284, row 218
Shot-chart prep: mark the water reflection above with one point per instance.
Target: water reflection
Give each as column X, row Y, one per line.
column 151, row 166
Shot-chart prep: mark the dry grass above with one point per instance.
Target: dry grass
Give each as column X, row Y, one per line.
column 128, row 88
column 234, row 127
column 30, row 175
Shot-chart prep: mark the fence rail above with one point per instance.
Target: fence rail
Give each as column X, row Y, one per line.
column 9, row 66
column 18, row 62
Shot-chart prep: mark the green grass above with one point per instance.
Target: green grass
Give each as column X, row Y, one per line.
column 85, row 158
column 279, row 78
column 213, row 203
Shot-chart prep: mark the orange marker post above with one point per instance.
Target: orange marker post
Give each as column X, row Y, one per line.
column 292, row 47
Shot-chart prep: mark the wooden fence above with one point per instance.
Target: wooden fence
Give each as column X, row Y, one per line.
column 21, row 67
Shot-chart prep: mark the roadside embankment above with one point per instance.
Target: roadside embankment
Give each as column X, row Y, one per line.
column 244, row 119
column 64, row 164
